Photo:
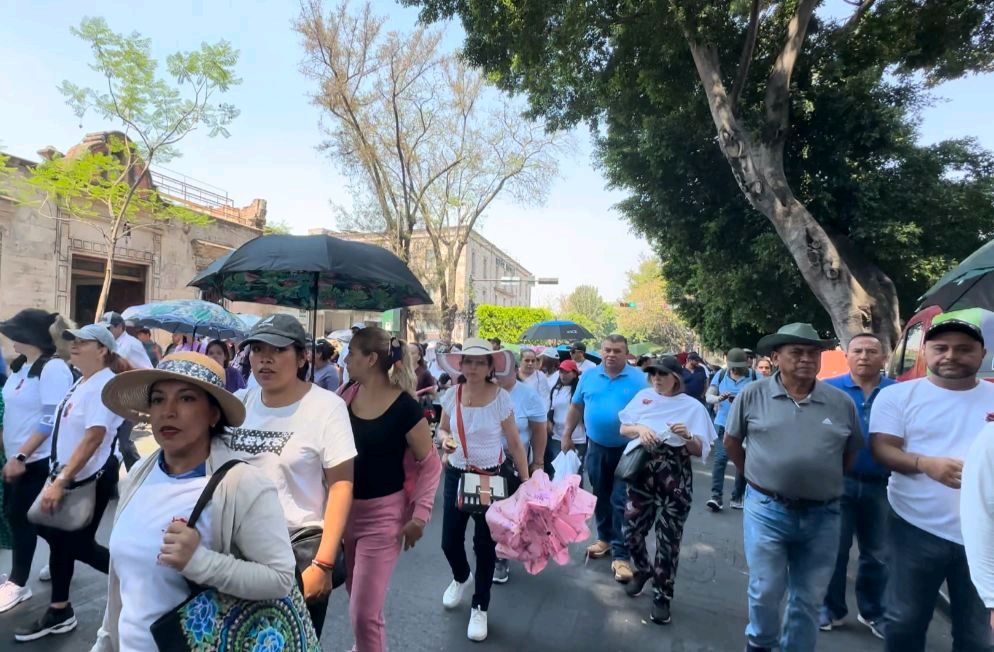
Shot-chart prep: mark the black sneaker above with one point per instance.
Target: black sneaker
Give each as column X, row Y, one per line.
column 660, row 613
column 502, row 571
column 714, row 505
column 53, row 621
column 634, row 588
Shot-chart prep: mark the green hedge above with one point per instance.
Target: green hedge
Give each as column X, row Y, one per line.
column 508, row 323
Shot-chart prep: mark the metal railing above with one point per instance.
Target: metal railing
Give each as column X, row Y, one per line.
column 182, row 189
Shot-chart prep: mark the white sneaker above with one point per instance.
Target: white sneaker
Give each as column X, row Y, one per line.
column 456, row 593
column 12, row 595
column 477, row 630
column 45, row 574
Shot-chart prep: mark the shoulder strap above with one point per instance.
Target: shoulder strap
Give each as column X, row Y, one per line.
column 57, row 421
column 208, row 492
column 459, row 423
column 721, row 377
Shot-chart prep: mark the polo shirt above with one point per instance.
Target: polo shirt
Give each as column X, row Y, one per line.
column 723, row 381
column 865, row 464
column 795, row 448
column 603, row 397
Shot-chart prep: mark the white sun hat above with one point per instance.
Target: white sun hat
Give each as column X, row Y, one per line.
column 503, row 358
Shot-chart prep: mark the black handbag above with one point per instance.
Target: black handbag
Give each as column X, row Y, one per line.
column 305, row 543
column 631, row 464
column 211, row 621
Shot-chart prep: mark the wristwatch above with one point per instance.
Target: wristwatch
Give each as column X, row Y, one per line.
column 21, row 457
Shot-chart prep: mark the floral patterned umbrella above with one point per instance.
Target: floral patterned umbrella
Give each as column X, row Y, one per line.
column 187, row 316
column 314, row 272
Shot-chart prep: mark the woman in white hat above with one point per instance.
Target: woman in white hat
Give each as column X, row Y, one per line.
column 486, row 415
column 240, row 544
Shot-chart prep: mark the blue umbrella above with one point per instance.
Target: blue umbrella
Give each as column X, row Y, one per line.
column 187, row 316
column 557, row 329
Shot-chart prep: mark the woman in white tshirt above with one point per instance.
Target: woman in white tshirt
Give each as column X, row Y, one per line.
column 38, row 382
column 83, row 451
column 487, row 416
column 301, row 436
column 239, row 545
column 561, row 397
column 672, row 427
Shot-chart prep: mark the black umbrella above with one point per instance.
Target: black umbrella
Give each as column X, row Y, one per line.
column 557, row 329
column 209, row 292
column 968, row 285
column 314, row 272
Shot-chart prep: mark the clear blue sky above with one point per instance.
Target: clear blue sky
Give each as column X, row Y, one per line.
column 271, row 152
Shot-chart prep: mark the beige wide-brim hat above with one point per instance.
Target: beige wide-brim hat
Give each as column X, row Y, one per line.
column 503, row 358
column 127, row 394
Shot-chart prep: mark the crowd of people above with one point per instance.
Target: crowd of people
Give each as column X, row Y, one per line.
column 341, row 457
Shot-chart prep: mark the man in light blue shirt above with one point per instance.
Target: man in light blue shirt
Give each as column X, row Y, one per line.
column 725, row 386
column 601, row 394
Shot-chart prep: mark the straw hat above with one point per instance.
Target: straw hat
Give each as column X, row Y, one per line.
column 127, row 394
column 503, row 358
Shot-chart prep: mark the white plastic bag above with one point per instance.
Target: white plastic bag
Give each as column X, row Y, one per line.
column 564, row 464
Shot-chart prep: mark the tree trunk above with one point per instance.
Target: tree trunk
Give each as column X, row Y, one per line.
column 857, row 295
column 109, row 267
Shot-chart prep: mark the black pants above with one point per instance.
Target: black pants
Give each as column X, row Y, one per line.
column 454, row 522
column 127, row 447
column 18, row 498
column 318, row 609
column 69, row 547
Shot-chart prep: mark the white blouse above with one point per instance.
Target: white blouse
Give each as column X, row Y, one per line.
column 483, row 430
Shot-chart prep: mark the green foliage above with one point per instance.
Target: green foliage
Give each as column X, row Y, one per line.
column 155, row 113
column 276, row 227
column 508, row 323
column 851, row 154
column 585, row 306
column 652, row 319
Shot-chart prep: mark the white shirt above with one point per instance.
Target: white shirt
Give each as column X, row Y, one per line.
column 483, row 430
column 540, row 384
column 552, row 379
column 933, row 422
column 131, row 349
column 135, row 542
column 85, row 410
column 293, row 445
column 560, row 408
column 587, row 365
column 651, row 409
column 24, row 402
column 977, row 512
column 528, row 408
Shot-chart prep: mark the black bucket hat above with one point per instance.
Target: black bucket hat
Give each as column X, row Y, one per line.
column 30, row 326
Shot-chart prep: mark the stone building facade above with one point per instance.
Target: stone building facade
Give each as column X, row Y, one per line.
column 52, row 261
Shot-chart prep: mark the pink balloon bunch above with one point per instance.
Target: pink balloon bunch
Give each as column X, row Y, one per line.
column 540, row 520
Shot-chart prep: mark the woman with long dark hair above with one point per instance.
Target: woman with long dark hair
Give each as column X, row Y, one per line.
column 560, row 398
column 83, row 452
column 476, row 416
column 39, row 380
column 389, row 424
column 300, row 435
column 672, row 427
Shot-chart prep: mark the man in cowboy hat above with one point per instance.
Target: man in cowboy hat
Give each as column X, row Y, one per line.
column 802, row 436
column 923, row 430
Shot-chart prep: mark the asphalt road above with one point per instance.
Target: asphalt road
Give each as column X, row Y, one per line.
column 569, row 608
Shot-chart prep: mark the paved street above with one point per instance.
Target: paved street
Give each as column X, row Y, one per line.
column 576, row 607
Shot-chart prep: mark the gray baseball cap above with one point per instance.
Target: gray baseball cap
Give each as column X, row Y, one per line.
column 112, row 319
column 94, row 332
column 277, row 330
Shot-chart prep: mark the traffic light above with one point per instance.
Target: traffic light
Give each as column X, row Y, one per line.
column 627, row 304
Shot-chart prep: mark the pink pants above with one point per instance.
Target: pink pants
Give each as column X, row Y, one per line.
column 372, row 545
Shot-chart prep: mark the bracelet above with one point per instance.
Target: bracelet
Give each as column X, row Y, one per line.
column 323, row 565
column 917, row 460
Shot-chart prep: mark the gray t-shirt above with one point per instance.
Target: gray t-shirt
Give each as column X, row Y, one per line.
column 796, row 449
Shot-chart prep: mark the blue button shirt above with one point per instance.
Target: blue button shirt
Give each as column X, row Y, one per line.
column 603, row 397
column 865, row 464
column 733, row 387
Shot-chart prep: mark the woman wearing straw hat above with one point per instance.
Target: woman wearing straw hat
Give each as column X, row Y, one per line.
column 39, row 380
column 485, row 414
column 672, row 427
column 240, row 545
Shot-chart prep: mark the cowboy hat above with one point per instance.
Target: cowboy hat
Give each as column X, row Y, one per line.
column 127, row 394
column 796, row 333
column 504, row 364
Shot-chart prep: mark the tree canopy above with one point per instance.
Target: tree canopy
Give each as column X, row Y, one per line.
column 585, row 306
column 647, row 316
column 822, row 128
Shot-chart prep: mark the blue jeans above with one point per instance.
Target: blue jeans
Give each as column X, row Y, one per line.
column 611, row 494
column 792, row 551
column 718, row 471
column 864, row 514
column 919, row 562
